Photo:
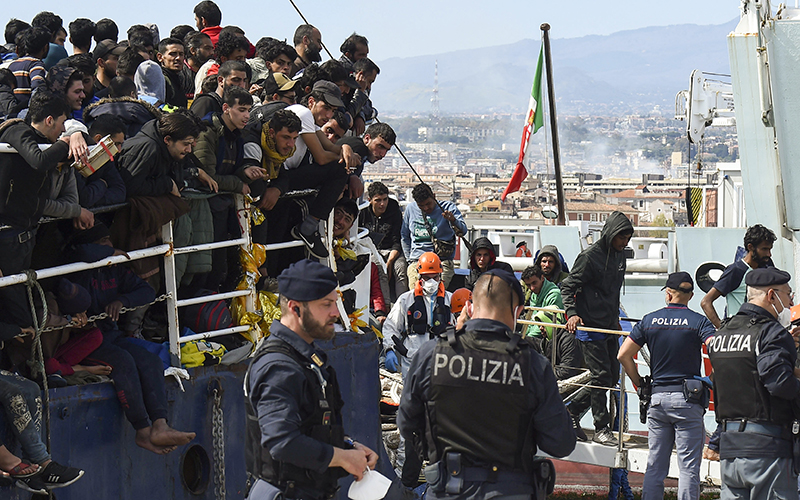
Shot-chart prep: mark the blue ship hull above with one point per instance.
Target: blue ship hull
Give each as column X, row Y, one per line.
column 89, row 430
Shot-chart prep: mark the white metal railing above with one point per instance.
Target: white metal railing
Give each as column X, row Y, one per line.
column 167, row 250
column 173, row 323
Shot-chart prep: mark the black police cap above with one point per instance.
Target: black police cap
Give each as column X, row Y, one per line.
column 306, row 280
column 512, row 281
column 674, row 281
column 767, row 276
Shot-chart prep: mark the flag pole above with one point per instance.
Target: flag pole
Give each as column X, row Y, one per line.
column 551, row 98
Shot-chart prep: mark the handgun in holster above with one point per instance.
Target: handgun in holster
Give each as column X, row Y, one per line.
column 644, row 391
column 544, row 478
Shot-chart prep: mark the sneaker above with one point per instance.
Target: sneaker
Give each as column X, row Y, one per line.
column 576, row 426
column 33, row 484
column 312, row 241
column 605, row 436
column 56, row 475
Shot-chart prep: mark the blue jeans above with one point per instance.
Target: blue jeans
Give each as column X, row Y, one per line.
column 672, row 420
column 22, row 402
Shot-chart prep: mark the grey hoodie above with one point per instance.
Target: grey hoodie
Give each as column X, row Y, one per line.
column 558, row 273
column 592, row 288
column 149, row 80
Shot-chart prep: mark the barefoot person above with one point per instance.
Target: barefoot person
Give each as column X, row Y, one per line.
column 136, row 372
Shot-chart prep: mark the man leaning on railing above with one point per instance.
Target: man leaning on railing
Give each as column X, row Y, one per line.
column 22, row 175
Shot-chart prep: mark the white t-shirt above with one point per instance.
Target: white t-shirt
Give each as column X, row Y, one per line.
column 308, row 127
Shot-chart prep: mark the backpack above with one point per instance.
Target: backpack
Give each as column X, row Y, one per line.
column 208, row 316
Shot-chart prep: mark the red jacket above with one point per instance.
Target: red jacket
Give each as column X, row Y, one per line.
column 213, row 33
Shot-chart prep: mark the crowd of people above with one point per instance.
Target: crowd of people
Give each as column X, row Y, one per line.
column 203, row 114
column 195, row 117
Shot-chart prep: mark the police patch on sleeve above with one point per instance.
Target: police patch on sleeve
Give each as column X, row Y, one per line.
column 479, row 369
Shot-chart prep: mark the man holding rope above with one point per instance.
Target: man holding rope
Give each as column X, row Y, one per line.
column 591, row 298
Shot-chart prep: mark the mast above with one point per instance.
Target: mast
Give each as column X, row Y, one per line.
column 551, row 98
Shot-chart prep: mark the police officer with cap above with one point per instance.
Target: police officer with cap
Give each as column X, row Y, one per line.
column 296, row 445
column 496, row 402
column 755, row 386
column 675, row 336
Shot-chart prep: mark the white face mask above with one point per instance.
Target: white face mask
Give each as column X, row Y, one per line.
column 785, row 316
column 430, row 287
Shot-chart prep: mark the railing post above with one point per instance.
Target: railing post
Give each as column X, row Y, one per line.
column 243, row 214
column 172, row 296
column 621, row 458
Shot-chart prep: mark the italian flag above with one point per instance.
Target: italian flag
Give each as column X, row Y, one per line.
column 534, row 121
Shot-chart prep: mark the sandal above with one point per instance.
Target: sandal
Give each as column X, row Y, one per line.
column 16, row 471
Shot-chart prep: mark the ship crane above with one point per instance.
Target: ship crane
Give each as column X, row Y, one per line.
column 708, row 102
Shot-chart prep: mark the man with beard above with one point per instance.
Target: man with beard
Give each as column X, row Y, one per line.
column 758, row 241
column 296, row 444
column 308, row 45
column 106, row 55
column 199, row 50
column 170, row 55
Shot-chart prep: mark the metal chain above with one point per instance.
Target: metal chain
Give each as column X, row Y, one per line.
column 218, row 434
column 104, row 315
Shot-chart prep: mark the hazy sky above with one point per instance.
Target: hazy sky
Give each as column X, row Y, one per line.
column 406, row 27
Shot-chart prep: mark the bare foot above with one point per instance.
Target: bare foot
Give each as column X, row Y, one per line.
column 143, row 441
column 94, row 370
column 162, row 434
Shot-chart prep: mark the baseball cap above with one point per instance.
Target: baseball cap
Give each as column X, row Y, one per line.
column 331, row 93
column 105, row 47
column 675, row 280
column 278, row 82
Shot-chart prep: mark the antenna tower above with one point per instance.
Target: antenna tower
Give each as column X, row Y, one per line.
column 435, row 94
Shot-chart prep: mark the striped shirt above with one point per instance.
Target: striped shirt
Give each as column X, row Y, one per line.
column 30, row 74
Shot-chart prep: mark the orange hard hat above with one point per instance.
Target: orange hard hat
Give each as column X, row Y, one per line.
column 429, row 263
column 795, row 313
column 459, row 298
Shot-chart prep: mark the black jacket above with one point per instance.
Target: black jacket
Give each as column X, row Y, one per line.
column 9, row 105
column 569, row 353
column 474, row 271
column 206, row 104
column 146, row 165
column 592, row 288
column 133, row 112
column 387, row 225
column 175, row 94
column 22, row 175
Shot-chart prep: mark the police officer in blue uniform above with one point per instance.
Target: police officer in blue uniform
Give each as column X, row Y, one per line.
column 482, row 401
column 756, row 391
column 296, row 444
column 675, row 336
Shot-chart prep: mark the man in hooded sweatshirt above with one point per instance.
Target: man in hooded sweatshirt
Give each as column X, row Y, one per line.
column 591, row 298
column 481, row 260
column 550, row 261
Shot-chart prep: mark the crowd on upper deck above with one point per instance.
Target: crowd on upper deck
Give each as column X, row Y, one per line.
column 185, row 121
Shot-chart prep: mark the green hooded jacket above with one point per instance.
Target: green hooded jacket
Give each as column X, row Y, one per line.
column 550, row 295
